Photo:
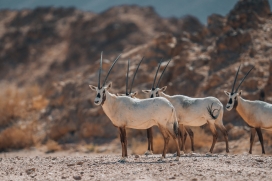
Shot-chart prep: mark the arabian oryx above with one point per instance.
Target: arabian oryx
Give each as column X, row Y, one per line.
column 257, row 114
column 125, row 112
column 194, row 112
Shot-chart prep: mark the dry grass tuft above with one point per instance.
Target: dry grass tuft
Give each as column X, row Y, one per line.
column 16, row 122
column 52, row 146
column 16, row 138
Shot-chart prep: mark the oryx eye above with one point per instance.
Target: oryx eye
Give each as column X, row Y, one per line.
column 103, row 91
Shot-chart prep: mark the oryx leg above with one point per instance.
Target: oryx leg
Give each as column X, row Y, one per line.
column 150, row 142
column 123, row 139
column 260, row 135
column 191, row 135
column 182, row 135
column 215, row 135
column 182, row 130
column 225, row 134
column 252, row 136
column 166, row 138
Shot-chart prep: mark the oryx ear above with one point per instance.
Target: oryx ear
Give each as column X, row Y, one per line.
column 93, row 87
column 134, row 94
column 145, row 91
column 107, row 87
column 163, row 88
column 240, row 93
column 227, row 93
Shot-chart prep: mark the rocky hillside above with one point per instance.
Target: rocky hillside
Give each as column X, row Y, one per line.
column 49, row 56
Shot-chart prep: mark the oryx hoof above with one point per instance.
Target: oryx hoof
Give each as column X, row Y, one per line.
column 148, row 152
column 263, row 155
column 227, row 154
column 247, row 154
column 122, row 160
column 162, row 159
column 192, row 153
column 209, row 154
column 177, row 158
column 182, row 153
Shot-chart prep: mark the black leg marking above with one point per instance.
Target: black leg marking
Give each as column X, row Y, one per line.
column 252, row 136
column 123, row 139
column 260, row 135
column 150, row 139
column 191, row 135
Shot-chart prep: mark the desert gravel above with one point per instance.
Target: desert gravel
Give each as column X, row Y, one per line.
column 82, row 166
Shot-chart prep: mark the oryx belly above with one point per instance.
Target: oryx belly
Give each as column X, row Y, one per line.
column 192, row 119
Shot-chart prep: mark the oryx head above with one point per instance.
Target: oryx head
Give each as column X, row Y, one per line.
column 130, row 93
column 101, row 90
column 155, row 91
column 232, row 102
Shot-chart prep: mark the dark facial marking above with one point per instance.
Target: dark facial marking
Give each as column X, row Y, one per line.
column 103, row 98
column 98, row 95
column 230, row 101
column 235, row 103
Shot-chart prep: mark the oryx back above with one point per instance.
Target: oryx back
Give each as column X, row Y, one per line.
column 193, row 111
column 142, row 113
column 256, row 113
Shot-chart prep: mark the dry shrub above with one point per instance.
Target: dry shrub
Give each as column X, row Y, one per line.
column 89, row 129
column 17, row 123
column 236, row 133
column 52, row 146
column 57, row 131
column 16, row 138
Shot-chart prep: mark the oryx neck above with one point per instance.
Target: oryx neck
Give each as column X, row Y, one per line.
column 241, row 107
column 162, row 94
column 108, row 99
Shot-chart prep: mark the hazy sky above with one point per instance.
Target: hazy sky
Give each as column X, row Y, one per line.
column 177, row 8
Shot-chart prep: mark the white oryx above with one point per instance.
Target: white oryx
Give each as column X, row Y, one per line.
column 125, row 112
column 149, row 131
column 257, row 114
column 194, row 112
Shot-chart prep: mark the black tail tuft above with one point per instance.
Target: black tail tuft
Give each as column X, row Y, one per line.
column 211, row 111
column 176, row 128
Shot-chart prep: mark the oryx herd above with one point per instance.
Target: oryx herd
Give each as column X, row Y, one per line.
column 175, row 114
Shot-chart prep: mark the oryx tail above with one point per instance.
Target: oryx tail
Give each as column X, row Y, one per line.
column 211, row 111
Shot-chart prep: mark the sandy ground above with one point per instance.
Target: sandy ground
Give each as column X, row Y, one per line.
column 35, row 165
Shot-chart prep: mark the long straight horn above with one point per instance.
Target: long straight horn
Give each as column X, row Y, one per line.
column 99, row 73
column 135, row 75
column 156, row 74
column 162, row 73
column 127, row 78
column 244, row 79
column 111, row 69
column 235, row 79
